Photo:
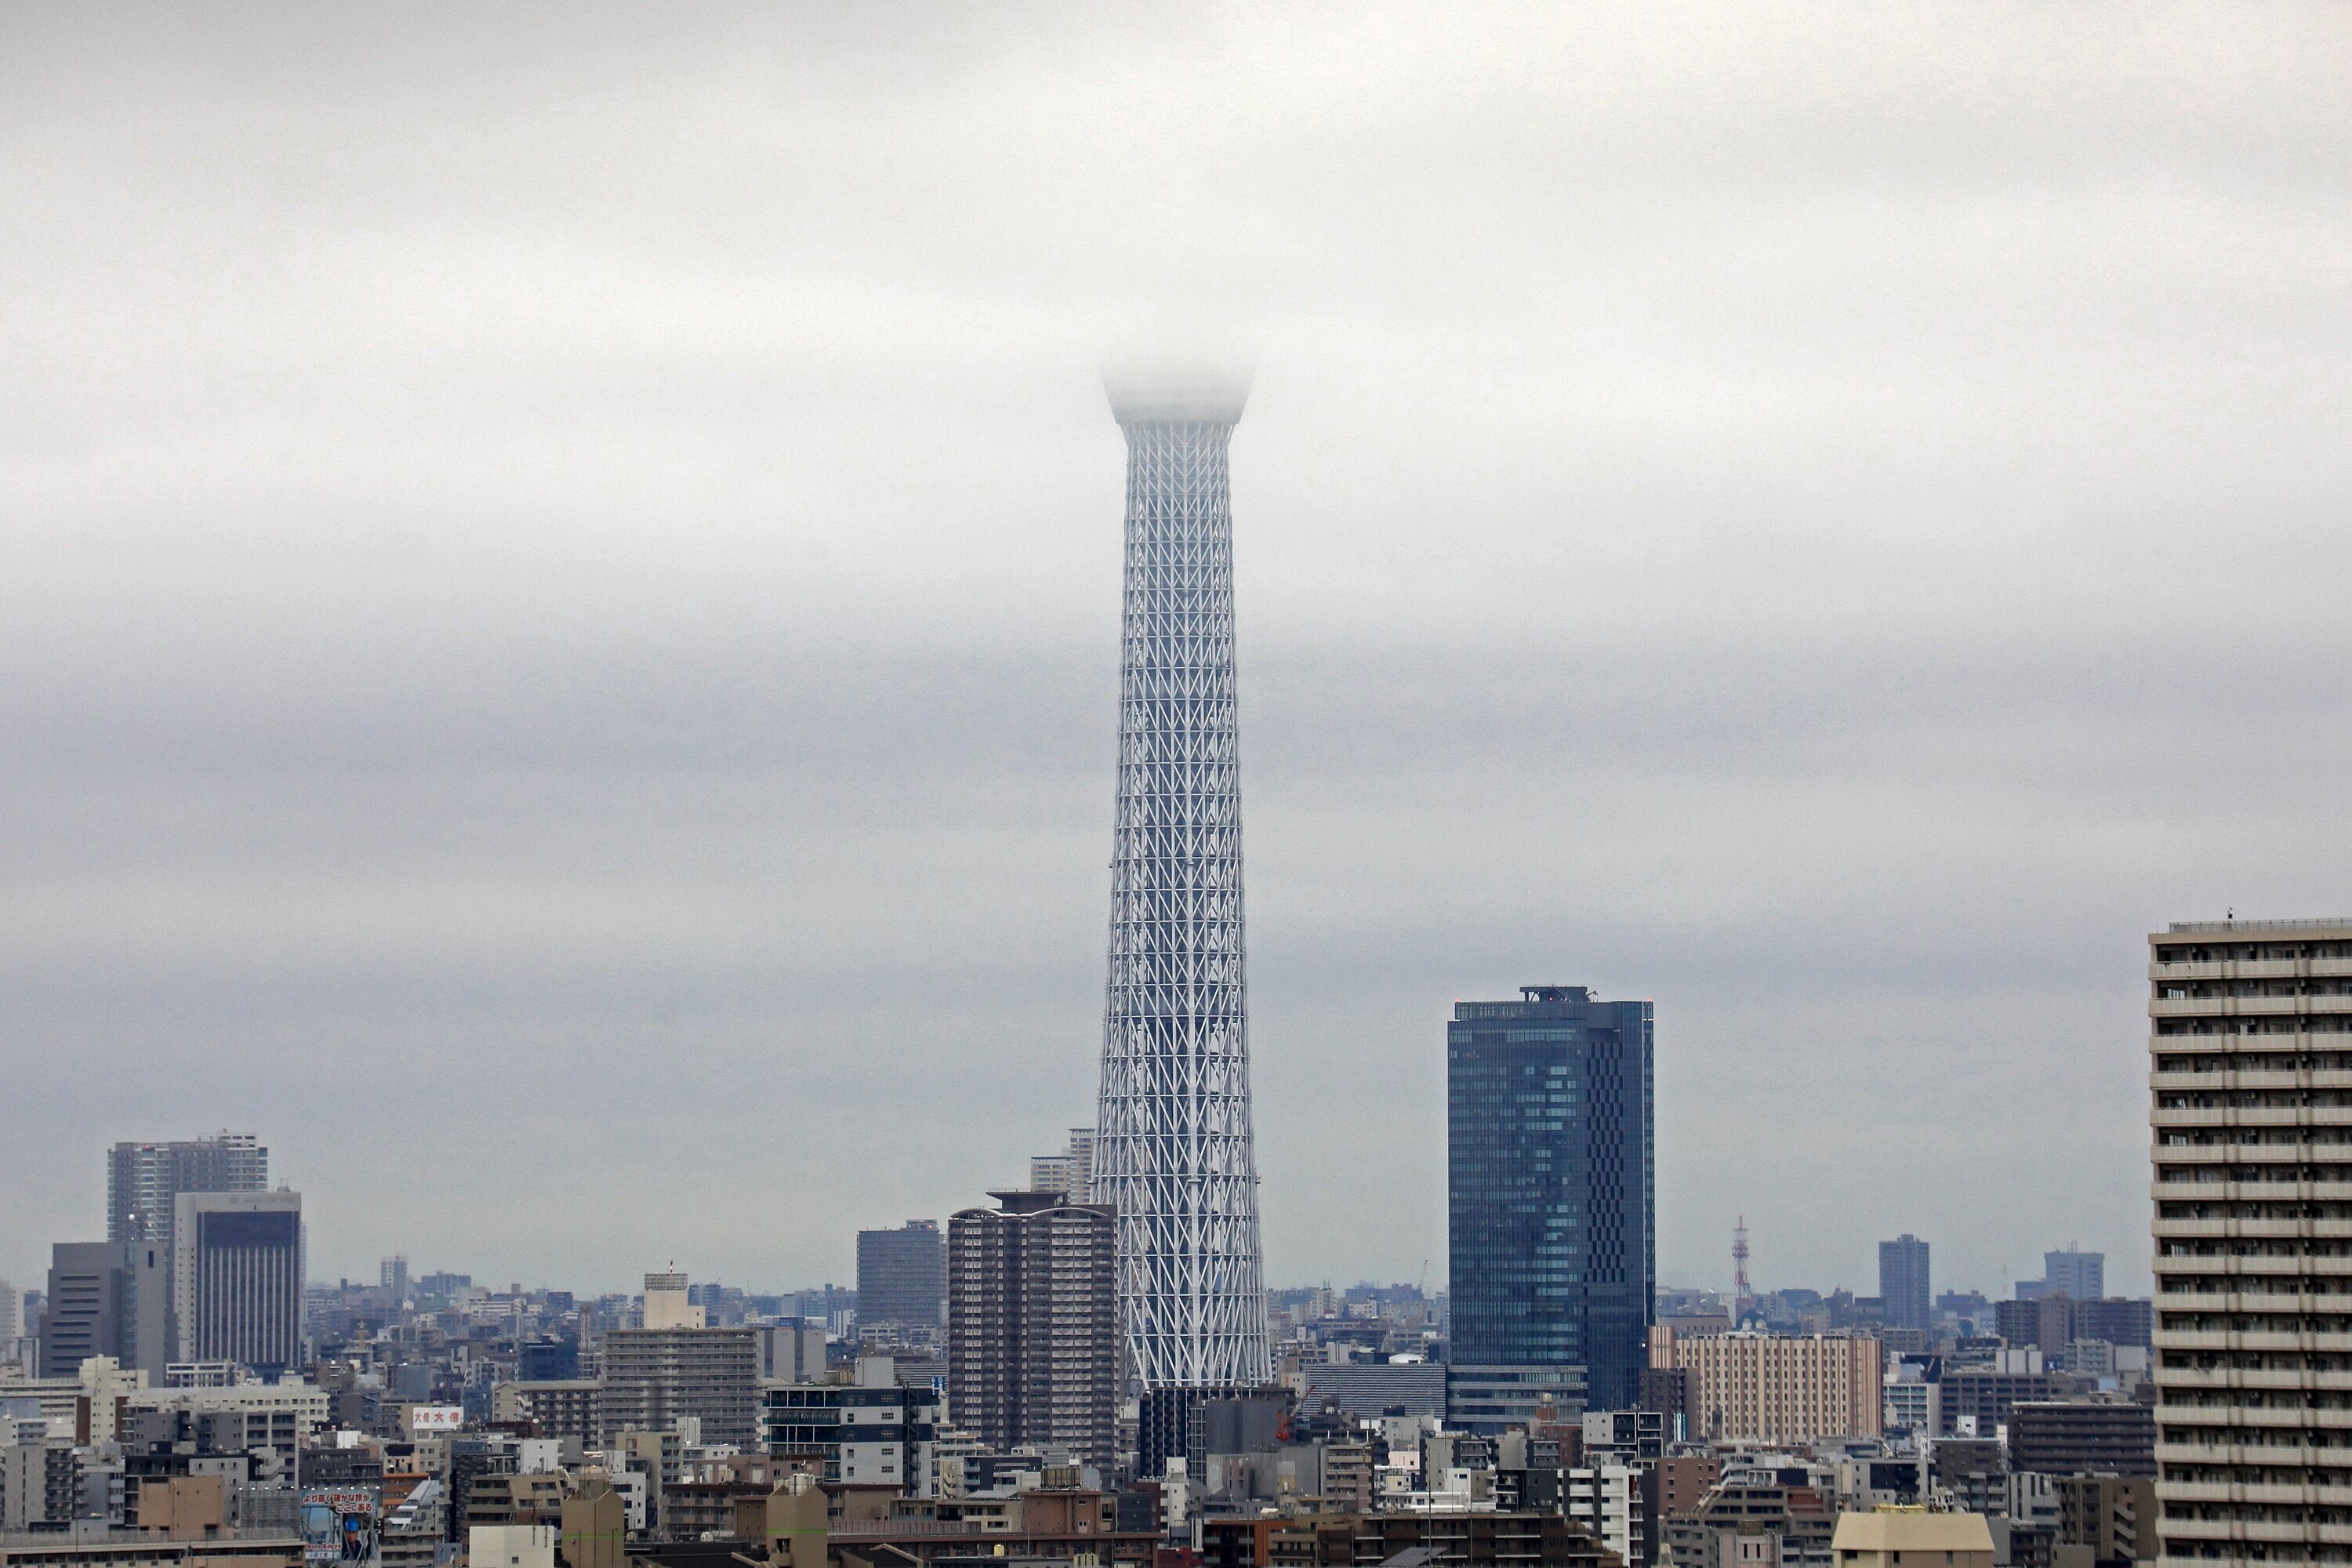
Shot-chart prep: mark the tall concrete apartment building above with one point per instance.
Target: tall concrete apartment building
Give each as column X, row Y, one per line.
column 1551, row 1184
column 902, row 1276
column 1033, row 1324
column 1775, row 1388
column 1903, row 1282
column 236, row 1278
column 653, row 1376
column 143, row 1185
column 2251, row 1044
column 144, row 1180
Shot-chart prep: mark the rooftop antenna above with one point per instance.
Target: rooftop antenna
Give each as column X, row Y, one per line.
column 1739, row 1292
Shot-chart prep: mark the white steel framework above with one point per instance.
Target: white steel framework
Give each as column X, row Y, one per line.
column 1174, row 1154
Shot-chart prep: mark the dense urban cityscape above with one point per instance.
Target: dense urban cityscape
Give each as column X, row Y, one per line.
column 629, row 635
column 1087, row 1368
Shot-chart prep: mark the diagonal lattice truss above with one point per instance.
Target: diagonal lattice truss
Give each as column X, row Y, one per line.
column 1174, row 1152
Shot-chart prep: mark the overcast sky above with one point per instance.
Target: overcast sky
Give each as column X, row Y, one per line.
column 561, row 584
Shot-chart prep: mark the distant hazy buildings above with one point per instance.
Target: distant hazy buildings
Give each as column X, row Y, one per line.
column 236, row 1278
column 1173, row 1152
column 792, row 1352
column 2249, row 1032
column 145, row 1183
column 1903, row 1287
column 2052, row 1323
column 1070, row 1172
column 1033, row 1325
column 902, row 1276
column 1550, row 1174
column 2082, row 1274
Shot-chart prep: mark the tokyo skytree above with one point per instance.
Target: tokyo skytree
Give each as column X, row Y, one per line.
column 1173, row 1151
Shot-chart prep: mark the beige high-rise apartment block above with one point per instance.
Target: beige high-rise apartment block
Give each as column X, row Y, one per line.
column 1776, row 1388
column 2251, row 1044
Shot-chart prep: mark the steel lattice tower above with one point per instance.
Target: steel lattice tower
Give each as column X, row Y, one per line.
column 1173, row 1151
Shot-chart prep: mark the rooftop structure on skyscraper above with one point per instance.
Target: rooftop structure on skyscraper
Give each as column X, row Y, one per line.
column 1174, row 1155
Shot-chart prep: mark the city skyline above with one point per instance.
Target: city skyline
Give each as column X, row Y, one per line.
column 540, row 667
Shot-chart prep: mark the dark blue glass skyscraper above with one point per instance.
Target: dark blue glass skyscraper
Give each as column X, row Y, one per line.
column 1551, row 1181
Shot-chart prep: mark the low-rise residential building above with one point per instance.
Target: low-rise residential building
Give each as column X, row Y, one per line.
column 291, row 1412
column 1977, row 1401
column 1529, row 1538
column 511, row 1546
column 557, row 1408
column 2083, row 1437
column 883, row 1435
column 1063, row 1525
column 1614, row 1504
column 1747, row 1505
column 2105, row 1519
column 1912, row 1538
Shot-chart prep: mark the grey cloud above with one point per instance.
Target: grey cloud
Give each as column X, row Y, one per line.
column 560, row 582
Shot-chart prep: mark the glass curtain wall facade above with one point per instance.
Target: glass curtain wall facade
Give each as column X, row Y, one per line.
column 1551, row 1185
column 237, row 1278
column 902, row 1275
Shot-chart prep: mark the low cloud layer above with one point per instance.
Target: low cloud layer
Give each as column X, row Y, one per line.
column 563, row 587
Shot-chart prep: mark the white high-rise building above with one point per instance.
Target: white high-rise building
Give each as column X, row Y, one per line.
column 2251, row 1040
